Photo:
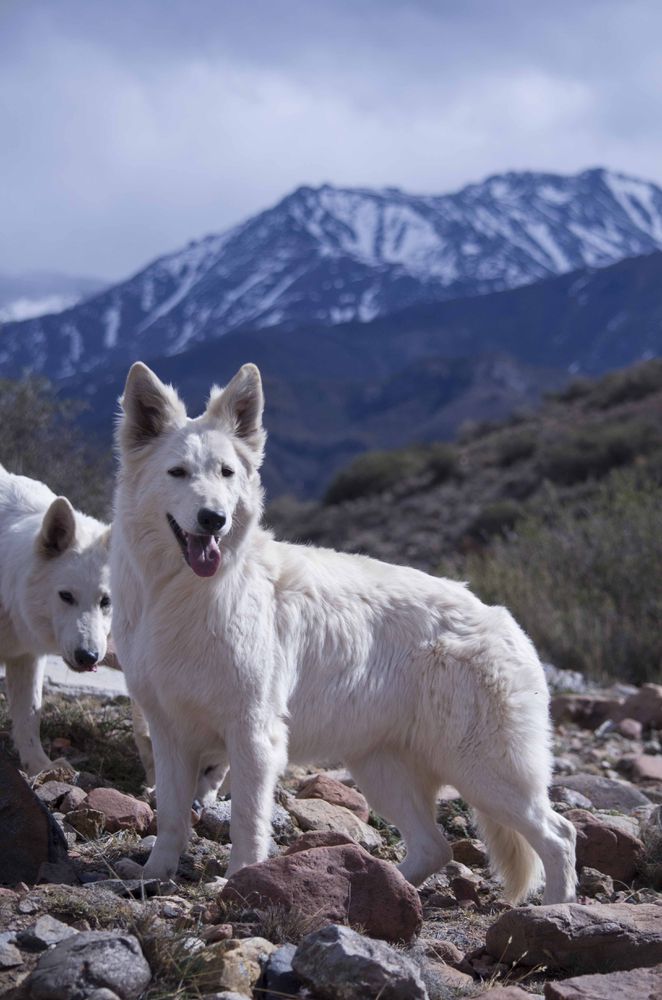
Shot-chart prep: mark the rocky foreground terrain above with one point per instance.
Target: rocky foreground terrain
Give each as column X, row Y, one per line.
column 328, row 916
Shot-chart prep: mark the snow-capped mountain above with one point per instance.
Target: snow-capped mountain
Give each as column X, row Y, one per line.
column 26, row 296
column 324, row 256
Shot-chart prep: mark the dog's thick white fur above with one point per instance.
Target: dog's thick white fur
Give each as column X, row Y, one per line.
column 246, row 652
column 54, row 598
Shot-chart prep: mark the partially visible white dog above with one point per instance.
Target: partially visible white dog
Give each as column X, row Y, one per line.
column 245, row 651
column 54, row 598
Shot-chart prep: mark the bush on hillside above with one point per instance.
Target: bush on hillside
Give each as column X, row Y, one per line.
column 583, row 581
column 516, row 445
column 378, row 471
column 593, row 451
column 628, row 385
column 39, row 439
column 498, row 518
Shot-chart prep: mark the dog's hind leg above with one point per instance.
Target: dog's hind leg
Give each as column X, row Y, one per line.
column 210, row 781
column 25, row 676
column 515, row 826
column 406, row 796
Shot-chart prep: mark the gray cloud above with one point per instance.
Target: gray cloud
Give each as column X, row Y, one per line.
column 130, row 127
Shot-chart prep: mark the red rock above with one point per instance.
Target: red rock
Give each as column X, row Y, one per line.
column 120, row 811
column 605, row 845
column 630, row 728
column 334, row 885
column 470, row 852
column 647, row 767
column 572, row 937
column 636, row 984
column 318, row 838
column 588, row 710
column 321, row 786
column 73, row 800
column 645, row 706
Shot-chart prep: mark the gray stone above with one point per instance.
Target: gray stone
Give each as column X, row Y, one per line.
column 279, row 976
column 317, row 814
column 340, row 964
column 45, row 933
column 10, row 956
column 91, row 960
column 214, row 822
column 604, row 793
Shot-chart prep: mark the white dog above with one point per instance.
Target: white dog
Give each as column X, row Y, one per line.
column 54, row 598
column 244, row 652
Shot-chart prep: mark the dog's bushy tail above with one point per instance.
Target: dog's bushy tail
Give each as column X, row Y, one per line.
column 512, row 858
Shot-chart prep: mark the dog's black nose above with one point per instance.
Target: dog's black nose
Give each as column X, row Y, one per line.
column 210, row 521
column 86, row 657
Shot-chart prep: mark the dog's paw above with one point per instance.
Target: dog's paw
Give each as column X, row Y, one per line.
column 126, row 868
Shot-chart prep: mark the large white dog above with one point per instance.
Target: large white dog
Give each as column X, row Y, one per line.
column 54, row 598
column 244, row 652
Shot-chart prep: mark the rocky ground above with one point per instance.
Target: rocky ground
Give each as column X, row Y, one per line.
column 328, row 916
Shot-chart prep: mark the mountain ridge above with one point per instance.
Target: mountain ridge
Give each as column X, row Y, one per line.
column 327, row 255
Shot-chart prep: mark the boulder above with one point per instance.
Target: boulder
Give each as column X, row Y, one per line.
column 321, row 786
column 645, row 706
column 647, row 767
column 318, row 838
column 51, row 793
column 605, row 793
column 470, row 852
column 630, row 728
column 340, row 964
column 572, row 937
column 333, row 885
column 587, row 710
column 89, row 961
column 29, row 836
column 317, row 814
column 45, row 933
column 602, row 843
column 120, row 811
column 644, row 984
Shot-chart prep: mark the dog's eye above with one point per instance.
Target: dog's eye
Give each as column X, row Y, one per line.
column 104, row 603
column 227, row 471
column 66, row 596
column 177, row 472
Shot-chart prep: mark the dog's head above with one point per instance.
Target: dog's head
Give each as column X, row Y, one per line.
column 70, row 585
column 191, row 486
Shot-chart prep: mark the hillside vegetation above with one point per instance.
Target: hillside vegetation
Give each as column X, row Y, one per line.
column 555, row 514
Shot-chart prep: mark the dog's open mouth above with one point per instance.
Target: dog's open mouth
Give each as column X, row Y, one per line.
column 201, row 552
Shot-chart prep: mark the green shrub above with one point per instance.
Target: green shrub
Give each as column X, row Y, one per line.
column 578, row 388
column 595, row 450
column 583, row 580
column 515, row 446
column 496, row 518
column 627, row 385
column 378, row 471
column 38, row 438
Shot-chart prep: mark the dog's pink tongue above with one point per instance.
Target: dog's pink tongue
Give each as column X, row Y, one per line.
column 204, row 555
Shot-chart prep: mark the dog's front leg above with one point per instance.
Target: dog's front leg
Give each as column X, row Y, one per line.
column 258, row 754
column 176, row 774
column 25, row 676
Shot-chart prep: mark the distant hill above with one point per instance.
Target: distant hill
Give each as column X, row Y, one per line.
column 422, row 505
column 326, row 256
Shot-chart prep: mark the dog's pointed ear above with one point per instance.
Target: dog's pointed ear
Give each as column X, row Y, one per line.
column 241, row 405
column 58, row 529
column 149, row 408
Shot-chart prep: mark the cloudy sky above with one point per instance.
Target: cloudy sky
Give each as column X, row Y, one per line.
column 128, row 127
